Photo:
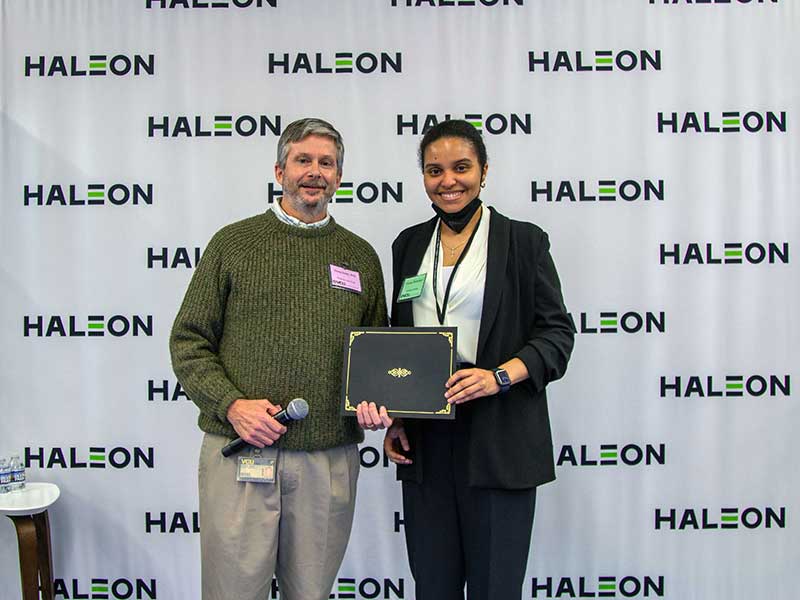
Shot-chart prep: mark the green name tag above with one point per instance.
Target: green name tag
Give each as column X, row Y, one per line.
column 412, row 287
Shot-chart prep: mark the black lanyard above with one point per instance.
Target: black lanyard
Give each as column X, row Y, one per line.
column 440, row 312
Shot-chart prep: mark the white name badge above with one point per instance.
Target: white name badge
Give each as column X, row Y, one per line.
column 256, row 469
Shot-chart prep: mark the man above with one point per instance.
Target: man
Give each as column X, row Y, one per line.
column 262, row 323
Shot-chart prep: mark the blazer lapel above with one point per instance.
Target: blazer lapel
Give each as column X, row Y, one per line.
column 496, row 260
column 413, row 254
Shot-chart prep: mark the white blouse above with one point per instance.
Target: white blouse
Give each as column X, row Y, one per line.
column 466, row 294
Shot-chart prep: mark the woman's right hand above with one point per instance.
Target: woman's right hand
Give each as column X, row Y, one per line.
column 395, row 441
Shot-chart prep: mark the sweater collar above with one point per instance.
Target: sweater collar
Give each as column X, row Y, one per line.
column 275, row 224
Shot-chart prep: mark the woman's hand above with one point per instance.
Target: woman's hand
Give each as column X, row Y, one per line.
column 395, row 441
column 468, row 384
column 370, row 417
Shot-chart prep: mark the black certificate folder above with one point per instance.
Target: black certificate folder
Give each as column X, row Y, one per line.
column 401, row 368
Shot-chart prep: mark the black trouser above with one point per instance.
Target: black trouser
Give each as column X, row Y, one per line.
column 456, row 533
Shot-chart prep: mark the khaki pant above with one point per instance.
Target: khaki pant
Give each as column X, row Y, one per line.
column 296, row 528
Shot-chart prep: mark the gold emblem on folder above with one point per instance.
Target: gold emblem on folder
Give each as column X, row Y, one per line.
column 397, row 372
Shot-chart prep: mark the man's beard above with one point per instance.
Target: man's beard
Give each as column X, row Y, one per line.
column 299, row 204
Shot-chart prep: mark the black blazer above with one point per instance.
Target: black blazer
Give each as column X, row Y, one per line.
column 510, row 445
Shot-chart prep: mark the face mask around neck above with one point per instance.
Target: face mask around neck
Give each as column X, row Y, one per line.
column 458, row 220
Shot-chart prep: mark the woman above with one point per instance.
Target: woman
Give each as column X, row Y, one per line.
column 469, row 485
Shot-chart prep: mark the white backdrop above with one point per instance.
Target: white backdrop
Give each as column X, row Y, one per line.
column 710, row 515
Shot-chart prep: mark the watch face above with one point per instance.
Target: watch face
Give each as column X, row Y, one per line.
column 502, row 377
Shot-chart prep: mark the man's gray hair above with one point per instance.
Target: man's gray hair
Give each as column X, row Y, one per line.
column 300, row 130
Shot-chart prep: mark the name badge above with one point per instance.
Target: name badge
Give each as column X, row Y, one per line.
column 256, row 469
column 412, row 287
column 345, row 279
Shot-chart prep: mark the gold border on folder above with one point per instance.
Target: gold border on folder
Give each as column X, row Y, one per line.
column 354, row 334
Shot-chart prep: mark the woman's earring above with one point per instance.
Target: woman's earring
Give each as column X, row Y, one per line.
column 483, row 183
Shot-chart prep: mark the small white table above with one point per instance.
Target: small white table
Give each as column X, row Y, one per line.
column 28, row 509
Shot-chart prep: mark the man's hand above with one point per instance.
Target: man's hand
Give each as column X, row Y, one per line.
column 396, row 436
column 252, row 420
column 369, row 417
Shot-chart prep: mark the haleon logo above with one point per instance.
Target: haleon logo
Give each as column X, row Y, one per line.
column 346, row 588
column 726, row 386
column 179, row 257
column 603, row 190
column 95, row 65
column 627, row 322
column 493, row 123
column 217, row 126
column 727, row 122
column 104, row 588
column 714, row 1
column 177, row 522
column 612, row 455
column 724, row 518
column 438, row 3
column 733, row 253
column 92, row 194
column 364, row 192
column 90, row 326
column 96, row 457
column 210, row 3
column 365, row 63
column 165, row 390
column 599, row 60
column 614, row 586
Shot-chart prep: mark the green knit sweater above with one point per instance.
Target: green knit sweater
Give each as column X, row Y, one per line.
column 261, row 320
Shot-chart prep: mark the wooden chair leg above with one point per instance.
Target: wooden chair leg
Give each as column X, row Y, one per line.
column 42, row 522
column 28, row 556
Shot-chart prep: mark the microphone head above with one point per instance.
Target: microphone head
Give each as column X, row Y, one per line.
column 297, row 409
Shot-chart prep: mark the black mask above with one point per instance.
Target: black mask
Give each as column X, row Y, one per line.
column 458, row 220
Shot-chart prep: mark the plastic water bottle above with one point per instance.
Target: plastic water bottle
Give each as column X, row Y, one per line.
column 17, row 473
column 5, row 476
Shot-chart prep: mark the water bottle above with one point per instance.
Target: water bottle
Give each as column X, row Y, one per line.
column 17, row 473
column 5, row 476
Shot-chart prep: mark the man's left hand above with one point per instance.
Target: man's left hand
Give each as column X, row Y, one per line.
column 371, row 417
column 468, row 384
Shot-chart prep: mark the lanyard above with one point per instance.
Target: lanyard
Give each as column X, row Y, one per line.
column 440, row 312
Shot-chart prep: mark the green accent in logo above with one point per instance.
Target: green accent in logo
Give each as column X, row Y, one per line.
column 733, row 253
column 603, row 61
column 608, row 322
column 347, row 587
column 607, row 586
column 734, row 386
column 97, row 457
column 97, row 65
column 96, row 194
column 476, row 124
column 730, row 122
column 610, row 454
column 97, row 325
column 344, row 62
column 223, row 125
column 730, row 519
column 344, row 192
column 608, row 190
column 103, row 589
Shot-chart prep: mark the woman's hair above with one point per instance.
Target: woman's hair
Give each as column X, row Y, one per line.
column 456, row 128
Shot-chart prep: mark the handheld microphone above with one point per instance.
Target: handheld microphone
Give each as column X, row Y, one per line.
column 296, row 409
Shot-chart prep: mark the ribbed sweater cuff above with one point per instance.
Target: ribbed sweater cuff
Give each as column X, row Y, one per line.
column 225, row 404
